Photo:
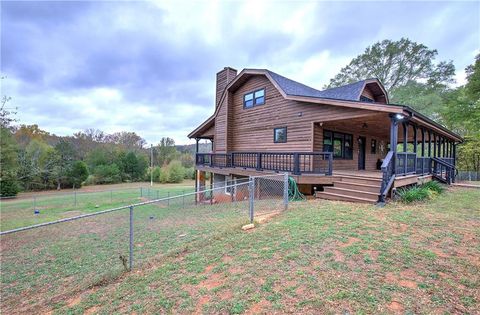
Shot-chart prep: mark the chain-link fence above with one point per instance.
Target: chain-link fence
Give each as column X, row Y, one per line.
column 468, row 176
column 45, row 263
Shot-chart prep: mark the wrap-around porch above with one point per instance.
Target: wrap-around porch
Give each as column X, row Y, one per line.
column 379, row 147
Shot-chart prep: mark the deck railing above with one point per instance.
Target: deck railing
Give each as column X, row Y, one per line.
column 405, row 163
column 296, row 163
column 388, row 176
column 443, row 170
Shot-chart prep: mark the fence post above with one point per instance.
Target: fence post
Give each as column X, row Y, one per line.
column 168, row 199
column 75, row 197
column 251, row 190
column 183, row 198
column 285, row 191
column 111, row 196
column 141, row 192
column 34, row 203
column 131, row 239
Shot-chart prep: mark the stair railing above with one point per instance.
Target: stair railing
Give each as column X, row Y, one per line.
column 388, row 176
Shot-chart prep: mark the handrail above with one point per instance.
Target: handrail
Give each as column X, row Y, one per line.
column 448, row 170
column 388, row 177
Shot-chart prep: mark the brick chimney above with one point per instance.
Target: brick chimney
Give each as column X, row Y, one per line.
column 224, row 77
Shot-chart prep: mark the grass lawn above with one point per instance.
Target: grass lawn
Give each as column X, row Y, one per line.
column 318, row 257
column 55, row 205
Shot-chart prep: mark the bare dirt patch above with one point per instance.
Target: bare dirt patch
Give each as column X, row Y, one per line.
column 201, row 302
column 396, row 307
column 214, row 281
column 338, row 256
column 261, row 307
column 350, row 241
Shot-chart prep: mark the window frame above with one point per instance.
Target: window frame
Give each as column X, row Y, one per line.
column 254, row 100
column 334, row 135
column 275, row 133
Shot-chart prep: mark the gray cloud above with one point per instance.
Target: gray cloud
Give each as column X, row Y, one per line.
column 150, row 67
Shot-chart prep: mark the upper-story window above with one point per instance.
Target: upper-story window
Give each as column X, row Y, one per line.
column 366, row 99
column 254, row 98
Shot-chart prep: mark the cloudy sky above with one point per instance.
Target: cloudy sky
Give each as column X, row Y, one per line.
column 150, row 67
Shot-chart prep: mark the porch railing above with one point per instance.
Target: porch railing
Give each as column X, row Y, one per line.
column 443, row 170
column 296, row 163
column 424, row 165
column 406, row 163
column 388, row 176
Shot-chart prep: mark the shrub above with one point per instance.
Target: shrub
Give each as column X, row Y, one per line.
column 434, row 186
column 8, row 187
column 190, row 173
column 157, row 173
column 78, row 173
column 163, row 178
column 176, row 172
column 419, row 193
column 107, row 174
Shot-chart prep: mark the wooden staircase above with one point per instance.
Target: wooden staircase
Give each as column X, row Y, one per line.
column 352, row 188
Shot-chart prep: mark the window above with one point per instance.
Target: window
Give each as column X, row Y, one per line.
column 366, row 99
column 374, row 147
column 340, row 144
column 280, row 135
column 254, row 98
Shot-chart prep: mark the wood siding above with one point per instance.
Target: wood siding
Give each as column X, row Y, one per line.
column 252, row 129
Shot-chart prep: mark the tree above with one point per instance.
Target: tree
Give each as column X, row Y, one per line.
column 8, row 164
column 107, row 174
column 166, row 151
column 395, row 63
column 27, row 133
column 473, row 78
column 176, row 172
column 6, row 113
column 66, row 156
column 128, row 140
column 78, row 173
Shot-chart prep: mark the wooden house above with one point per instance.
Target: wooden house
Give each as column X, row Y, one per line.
column 345, row 143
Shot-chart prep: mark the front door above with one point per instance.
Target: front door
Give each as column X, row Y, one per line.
column 361, row 152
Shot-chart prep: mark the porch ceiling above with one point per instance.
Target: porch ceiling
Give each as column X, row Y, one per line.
column 377, row 125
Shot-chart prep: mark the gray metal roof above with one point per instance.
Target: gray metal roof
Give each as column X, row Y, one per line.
column 349, row 92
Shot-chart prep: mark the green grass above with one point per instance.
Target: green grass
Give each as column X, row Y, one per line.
column 318, row 257
column 19, row 212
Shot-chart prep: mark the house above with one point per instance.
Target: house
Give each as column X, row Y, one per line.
column 345, row 143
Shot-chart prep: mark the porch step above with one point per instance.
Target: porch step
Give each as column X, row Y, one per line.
column 358, row 187
column 352, row 193
column 341, row 197
column 361, row 180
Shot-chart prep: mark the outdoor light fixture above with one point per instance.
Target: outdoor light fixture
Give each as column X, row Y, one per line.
column 399, row 117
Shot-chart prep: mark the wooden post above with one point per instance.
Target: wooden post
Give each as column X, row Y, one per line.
column 415, row 143
column 434, row 145
column 423, row 142
column 393, row 141
column 429, row 143
column 405, row 136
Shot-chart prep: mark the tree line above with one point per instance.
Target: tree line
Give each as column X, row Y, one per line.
column 33, row 159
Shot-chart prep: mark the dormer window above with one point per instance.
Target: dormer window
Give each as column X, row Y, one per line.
column 254, row 98
column 366, row 99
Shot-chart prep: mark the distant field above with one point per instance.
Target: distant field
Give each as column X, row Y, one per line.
column 53, row 205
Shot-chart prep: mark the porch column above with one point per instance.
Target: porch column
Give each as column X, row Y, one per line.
column 452, row 144
column 444, row 147
column 429, row 143
column 439, row 146
column 434, row 145
column 423, row 141
column 415, row 143
column 196, row 145
column 405, row 136
column 393, row 141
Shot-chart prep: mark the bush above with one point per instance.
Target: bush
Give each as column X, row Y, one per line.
column 419, row 193
column 78, row 173
column 434, row 186
column 107, row 174
column 176, row 172
column 157, row 173
column 190, row 173
column 163, row 178
column 8, row 187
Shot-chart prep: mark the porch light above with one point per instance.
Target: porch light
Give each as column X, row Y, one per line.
column 399, row 117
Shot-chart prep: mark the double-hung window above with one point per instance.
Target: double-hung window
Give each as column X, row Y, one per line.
column 254, row 98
